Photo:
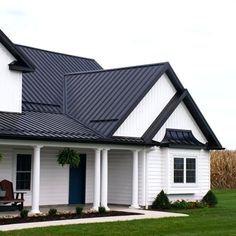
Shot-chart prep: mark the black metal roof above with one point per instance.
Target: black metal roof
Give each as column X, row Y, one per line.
column 44, row 125
column 43, row 89
column 103, row 99
column 94, row 102
column 22, row 62
column 55, row 127
column 179, row 137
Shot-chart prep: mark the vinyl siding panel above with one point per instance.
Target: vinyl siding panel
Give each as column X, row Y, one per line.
column 10, row 84
column 154, row 175
column 54, row 179
column 148, row 109
column 181, row 119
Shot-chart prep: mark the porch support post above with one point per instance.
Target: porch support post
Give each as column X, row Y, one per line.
column 97, row 176
column 36, row 180
column 104, row 178
column 134, row 203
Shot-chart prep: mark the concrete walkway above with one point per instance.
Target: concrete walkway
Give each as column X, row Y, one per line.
column 146, row 215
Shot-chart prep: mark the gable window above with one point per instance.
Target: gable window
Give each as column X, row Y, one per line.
column 23, row 171
column 184, row 170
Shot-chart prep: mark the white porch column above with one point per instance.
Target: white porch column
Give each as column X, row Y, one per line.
column 36, row 180
column 97, row 176
column 134, row 203
column 143, row 177
column 104, row 178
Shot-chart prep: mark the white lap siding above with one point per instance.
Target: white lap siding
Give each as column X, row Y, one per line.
column 160, row 174
column 119, row 177
column 54, row 179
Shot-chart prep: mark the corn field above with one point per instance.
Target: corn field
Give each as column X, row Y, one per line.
column 223, row 169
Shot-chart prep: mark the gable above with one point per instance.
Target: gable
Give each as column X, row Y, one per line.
column 181, row 119
column 104, row 99
column 148, row 109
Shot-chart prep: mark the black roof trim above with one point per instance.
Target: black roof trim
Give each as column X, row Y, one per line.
column 22, row 62
column 60, row 53
column 163, row 116
column 213, row 142
column 119, row 141
column 115, row 69
column 180, row 138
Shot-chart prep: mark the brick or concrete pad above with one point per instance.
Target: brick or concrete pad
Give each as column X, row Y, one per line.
column 146, row 215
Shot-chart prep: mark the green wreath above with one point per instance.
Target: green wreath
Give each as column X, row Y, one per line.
column 68, row 157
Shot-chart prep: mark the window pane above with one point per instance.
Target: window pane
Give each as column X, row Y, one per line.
column 178, row 170
column 190, row 170
column 23, row 162
column 23, row 172
column 23, row 181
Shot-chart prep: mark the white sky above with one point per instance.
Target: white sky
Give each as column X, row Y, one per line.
column 198, row 38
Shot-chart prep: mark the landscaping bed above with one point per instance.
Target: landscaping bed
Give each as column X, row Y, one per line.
column 62, row 216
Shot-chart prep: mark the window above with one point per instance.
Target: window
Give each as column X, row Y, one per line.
column 190, row 170
column 184, row 170
column 179, row 170
column 23, row 171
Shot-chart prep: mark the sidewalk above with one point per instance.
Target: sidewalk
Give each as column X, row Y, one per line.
column 146, row 215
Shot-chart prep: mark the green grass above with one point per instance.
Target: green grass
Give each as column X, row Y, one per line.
column 219, row 221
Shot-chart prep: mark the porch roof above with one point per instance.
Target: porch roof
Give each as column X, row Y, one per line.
column 55, row 127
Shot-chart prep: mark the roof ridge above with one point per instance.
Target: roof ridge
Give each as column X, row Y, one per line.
column 115, row 69
column 45, row 50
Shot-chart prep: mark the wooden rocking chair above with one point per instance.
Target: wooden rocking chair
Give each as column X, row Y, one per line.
column 16, row 202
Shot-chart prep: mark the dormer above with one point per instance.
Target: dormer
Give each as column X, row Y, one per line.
column 12, row 65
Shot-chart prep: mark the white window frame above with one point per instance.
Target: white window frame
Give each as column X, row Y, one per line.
column 22, row 152
column 185, row 172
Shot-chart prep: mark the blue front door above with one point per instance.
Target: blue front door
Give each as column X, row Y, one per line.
column 77, row 182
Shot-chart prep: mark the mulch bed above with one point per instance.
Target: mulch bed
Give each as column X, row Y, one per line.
column 62, row 216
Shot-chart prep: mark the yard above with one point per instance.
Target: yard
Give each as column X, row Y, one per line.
column 217, row 221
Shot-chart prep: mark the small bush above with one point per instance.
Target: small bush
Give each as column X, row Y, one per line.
column 52, row 212
column 210, row 199
column 187, row 205
column 24, row 214
column 79, row 210
column 101, row 210
column 161, row 201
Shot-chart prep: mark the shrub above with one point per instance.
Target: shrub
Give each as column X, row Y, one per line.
column 24, row 213
column 101, row 210
column 210, row 199
column 52, row 212
column 161, row 201
column 79, row 210
column 187, row 205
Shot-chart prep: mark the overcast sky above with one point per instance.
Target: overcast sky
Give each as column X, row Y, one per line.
column 198, row 38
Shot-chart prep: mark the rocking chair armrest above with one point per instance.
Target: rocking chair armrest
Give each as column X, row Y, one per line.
column 21, row 195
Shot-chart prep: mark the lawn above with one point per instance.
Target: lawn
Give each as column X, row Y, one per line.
column 216, row 221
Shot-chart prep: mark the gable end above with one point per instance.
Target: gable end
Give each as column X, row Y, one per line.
column 22, row 63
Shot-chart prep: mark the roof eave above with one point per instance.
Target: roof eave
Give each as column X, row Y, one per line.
column 77, row 140
column 23, row 63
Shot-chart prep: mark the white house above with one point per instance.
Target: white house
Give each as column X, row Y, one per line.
column 137, row 128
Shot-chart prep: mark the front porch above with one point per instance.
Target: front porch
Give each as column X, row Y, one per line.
column 114, row 174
